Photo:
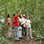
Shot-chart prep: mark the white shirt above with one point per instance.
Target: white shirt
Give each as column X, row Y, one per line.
column 28, row 23
column 22, row 20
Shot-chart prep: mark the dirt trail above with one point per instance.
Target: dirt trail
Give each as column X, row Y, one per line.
column 23, row 41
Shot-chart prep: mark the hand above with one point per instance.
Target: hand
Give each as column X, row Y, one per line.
column 30, row 22
column 20, row 11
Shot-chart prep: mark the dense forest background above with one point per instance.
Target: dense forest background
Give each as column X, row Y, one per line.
column 32, row 8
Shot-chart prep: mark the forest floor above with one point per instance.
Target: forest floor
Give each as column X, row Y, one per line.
column 24, row 41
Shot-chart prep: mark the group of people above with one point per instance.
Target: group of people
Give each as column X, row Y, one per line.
column 20, row 20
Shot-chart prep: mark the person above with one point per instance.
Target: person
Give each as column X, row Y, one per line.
column 9, row 26
column 22, row 21
column 29, row 28
column 16, row 25
column 24, row 25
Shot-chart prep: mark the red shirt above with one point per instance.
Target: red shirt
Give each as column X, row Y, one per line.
column 16, row 21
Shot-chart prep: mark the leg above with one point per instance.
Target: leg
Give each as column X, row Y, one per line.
column 25, row 31
column 10, row 32
column 30, row 32
column 16, row 33
column 22, row 30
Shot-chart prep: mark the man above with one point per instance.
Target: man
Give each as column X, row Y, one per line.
column 22, row 21
column 9, row 26
column 29, row 28
column 16, row 25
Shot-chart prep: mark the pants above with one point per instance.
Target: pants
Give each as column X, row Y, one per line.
column 16, row 33
column 9, row 32
column 24, row 31
column 29, row 31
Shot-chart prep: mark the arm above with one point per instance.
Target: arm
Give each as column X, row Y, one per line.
column 17, row 16
column 30, row 22
column 19, row 13
column 13, row 20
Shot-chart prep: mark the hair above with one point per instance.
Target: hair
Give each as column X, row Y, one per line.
column 8, row 16
column 20, row 16
column 25, row 17
column 14, row 14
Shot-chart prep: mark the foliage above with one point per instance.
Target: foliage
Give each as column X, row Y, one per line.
column 32, row 8
column 3, row 40
column 3, row 28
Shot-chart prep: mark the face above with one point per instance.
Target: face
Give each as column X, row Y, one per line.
column 10, row 16
column 27, row 17
column 21, row 16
